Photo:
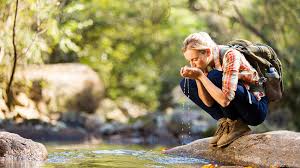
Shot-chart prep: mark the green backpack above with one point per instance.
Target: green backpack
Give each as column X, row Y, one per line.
column 266, row 62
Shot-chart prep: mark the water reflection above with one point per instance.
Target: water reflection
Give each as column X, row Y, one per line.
column 120, row 158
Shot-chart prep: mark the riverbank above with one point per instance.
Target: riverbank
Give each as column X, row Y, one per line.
column 67, row 102
column 153, row 129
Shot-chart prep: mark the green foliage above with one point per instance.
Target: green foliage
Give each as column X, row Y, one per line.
column 133, row 45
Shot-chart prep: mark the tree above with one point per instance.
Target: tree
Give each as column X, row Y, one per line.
column 8, row 89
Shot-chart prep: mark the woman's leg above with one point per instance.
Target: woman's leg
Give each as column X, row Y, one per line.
column 254, row 113
column 240, row 108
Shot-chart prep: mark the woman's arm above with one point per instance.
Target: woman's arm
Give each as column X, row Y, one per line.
column 207, row 90
column 204, row 95
column 215, row 92
column 231, row 66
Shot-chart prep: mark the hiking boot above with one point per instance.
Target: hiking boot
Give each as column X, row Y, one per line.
column 234, row 130
column 221, row 126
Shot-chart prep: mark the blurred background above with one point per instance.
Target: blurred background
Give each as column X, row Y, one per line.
column 90, row 70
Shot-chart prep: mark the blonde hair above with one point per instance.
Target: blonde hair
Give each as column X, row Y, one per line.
column 198, row 41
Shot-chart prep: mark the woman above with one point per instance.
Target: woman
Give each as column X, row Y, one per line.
column 225, row 85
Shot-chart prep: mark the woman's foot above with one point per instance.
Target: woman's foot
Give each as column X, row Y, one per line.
column 234, row 130
column 221, row 126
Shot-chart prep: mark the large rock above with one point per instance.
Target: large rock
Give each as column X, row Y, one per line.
column 68, row 87
column 14, row 147
column 110, row 110
column 276, row 148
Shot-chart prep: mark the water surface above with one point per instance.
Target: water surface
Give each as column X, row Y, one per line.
column 115, row 156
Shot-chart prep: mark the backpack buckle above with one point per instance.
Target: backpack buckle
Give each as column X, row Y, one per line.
column 262, row 80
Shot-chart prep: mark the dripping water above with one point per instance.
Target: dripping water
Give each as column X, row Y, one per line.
column 186, row 108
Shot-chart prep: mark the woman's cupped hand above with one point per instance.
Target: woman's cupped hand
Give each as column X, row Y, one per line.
column 191, row 72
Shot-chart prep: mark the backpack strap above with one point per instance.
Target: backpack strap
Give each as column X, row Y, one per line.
column 241, row 49
column 223, row 52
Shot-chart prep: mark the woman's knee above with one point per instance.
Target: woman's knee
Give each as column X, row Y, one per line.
column 259, row 119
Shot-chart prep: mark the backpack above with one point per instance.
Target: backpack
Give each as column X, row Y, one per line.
column 266, row 62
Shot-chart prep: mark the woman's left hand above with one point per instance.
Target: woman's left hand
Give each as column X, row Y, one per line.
column 191, row 72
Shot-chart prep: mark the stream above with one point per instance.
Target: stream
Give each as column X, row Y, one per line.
column 118, row 156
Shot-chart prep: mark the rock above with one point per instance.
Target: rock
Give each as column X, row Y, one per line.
column 44, row 118
column 3, row 107
column 182, row 121
column 113, row 128
column 57, row 133
column 14, row 147
column 152, row 140
column 22, row 99
column 27, row 113
column 130, row 108
column 120, row 111
column 93, row 122
column 111, row 111
column 159, row 129
column 2, row 116
column 72, row 119
column 276, row 148
column 42, row 107
column 198, row 127
column 138, row 125
column 60, row 125
column 69, row 86
column 153, row 122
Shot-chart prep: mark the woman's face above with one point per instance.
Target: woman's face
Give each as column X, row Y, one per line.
column 197, row 58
